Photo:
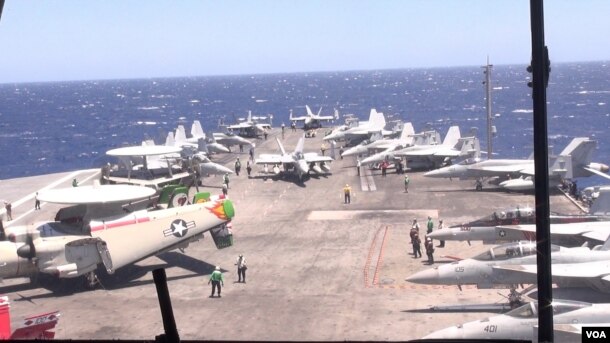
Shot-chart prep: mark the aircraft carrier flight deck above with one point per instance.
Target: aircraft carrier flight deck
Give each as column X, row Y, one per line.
column 318, row 269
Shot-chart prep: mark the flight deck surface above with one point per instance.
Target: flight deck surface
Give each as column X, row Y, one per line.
column 318, row 269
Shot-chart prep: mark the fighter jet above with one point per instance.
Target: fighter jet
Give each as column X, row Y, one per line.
column 312, row 120
column 487, row 229
column 250, row 127
column 520, row 323
column 376, row 123
column 488, row 269
column 297, row 162
column 230, row 139
column 197, row 142
column 433, row 155
column 516, row 175
column 99, row 229
column 377, row 142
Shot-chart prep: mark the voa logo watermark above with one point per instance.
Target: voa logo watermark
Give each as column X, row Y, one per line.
column 595, row 333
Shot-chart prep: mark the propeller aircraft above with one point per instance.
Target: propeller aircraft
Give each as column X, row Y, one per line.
column 98, row 229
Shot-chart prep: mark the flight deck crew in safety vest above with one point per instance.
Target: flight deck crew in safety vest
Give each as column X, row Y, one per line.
column 74, row 183
column 406, row 183
column 430, row 225
column 217, row 280
column 347, row 192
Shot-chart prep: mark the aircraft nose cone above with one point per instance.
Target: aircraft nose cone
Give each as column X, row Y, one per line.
column 429, row 276
column 604, row 167
column 441, row 234
column 435, row 173
column 447, row 333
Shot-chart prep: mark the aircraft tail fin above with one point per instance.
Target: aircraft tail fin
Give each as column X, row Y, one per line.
column 377, row 120
column 197, row 130
column 170, row 141
column 249, row 117
column 37, row 327
column 376, row 136
column 300, row 144
column 309, row 112
column 407, row 130
column 33, row 328
column 279, row 144
column 452, row 137
column 336, row 113
column 469, row 146
column 202, row 145
column 573, row 160
column 606, row 245
column 180, row 135
column 290, row 118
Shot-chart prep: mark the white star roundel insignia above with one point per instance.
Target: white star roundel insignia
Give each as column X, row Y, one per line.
column 502, row 233
column 179, row 228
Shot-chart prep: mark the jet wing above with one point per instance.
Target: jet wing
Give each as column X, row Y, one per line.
column 314, row 157
column 599, row 231
column 593, row 272
column 495, row 170
column 239, row 126
column 597, row 172
column 301, row 118
column 274, row 159
column 162, row 230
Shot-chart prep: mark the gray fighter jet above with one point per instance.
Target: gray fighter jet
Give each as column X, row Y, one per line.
column 521, row 323
column 515, row 263
column 501, row 227
column 517, row 175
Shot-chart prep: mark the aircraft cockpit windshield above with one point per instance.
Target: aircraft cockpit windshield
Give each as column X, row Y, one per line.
column 469, row 161
column 563, row 306
column 510, row 250
column 529, row 310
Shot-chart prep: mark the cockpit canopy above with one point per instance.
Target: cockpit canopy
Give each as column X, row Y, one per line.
column 511, row 250
column 530, row 310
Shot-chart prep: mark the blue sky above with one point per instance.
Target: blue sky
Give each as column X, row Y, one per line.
column 56, row 40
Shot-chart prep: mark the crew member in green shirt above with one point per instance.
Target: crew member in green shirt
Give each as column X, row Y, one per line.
column 216, row 279
column 430, row 225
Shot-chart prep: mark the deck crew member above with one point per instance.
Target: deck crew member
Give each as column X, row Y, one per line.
column 347, row 193
column 237, row 166
column 217, row 280
column 440, row 227
column 241, row 268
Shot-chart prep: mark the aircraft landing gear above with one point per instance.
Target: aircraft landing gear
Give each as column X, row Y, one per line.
column 91, row 280
column 479, row 185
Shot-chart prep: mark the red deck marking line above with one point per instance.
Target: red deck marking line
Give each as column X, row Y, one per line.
column 369, row 258
column 380, row 258
column 112, row 225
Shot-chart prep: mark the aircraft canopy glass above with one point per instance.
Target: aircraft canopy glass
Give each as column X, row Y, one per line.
column 529, row 310
column 469, row 161
column 563, row 306
column 511, row 250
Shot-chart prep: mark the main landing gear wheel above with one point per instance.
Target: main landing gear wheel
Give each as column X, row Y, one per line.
column 91, row 280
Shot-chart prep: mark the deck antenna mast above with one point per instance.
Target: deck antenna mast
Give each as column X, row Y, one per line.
column 490, row 128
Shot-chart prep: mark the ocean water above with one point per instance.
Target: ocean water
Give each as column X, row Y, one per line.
column 63, row 126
